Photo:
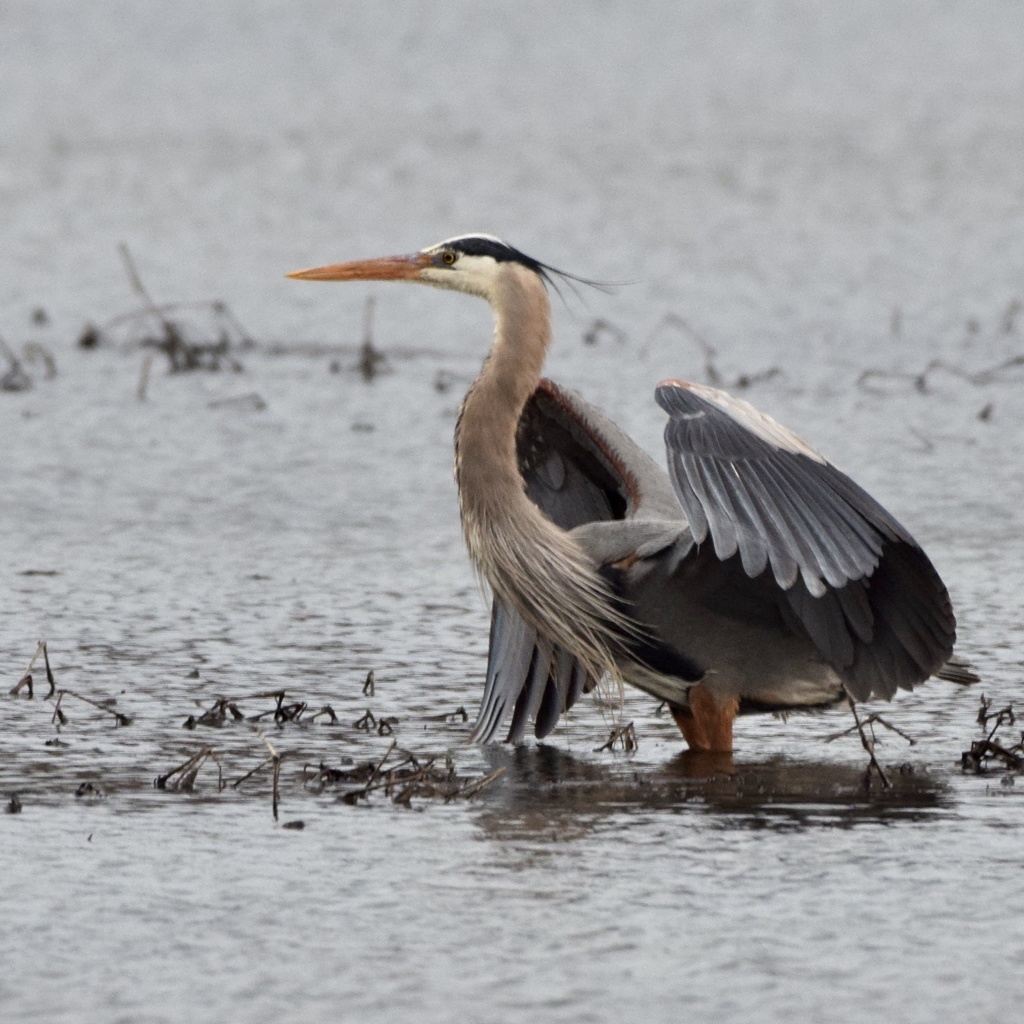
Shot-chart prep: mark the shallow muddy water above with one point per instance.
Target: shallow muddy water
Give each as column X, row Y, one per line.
column 836, row 200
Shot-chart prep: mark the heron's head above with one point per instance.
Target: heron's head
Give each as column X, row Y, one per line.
column 468, row 263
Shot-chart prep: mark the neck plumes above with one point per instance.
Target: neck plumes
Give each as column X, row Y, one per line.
column 531, row 565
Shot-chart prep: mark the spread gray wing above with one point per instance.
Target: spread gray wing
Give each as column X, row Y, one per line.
column 854, row 579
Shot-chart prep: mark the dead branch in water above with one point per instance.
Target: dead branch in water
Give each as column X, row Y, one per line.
column 160, row 326
column 404, row 780
column 993, row 749
column 59, row 718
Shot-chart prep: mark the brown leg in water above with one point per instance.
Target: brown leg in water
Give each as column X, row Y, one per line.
column 706, row 723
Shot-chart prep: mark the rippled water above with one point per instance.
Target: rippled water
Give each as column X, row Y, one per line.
column 818, row 195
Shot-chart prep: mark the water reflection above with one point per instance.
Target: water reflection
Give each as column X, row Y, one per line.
column 547, row 792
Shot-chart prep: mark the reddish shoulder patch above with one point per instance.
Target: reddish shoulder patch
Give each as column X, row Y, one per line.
column 553, row 391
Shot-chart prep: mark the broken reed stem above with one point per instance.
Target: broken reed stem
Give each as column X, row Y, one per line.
column 26, row 680
column 248, row 775
column 624, row 734
column 221, row 309
column 328, row 711
column 275, row 759
column 49, row 673
column 188, row 771
column 380, row 764
column 119, row 718
column 140, row 289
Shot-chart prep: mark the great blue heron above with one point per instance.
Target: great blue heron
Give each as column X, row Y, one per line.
column 754, row 576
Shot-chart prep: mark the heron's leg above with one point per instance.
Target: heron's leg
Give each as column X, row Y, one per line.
column 706, row 721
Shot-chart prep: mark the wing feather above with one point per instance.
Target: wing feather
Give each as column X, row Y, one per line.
column 853, row 579
column 511, row 651
column 532, row 694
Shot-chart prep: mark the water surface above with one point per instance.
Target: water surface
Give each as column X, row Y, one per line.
column 822, row 196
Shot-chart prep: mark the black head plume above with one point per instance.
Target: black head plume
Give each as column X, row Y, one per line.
column 502, row 252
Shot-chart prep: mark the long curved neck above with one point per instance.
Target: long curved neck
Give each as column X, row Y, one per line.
column 532, row 566
column 486, row 464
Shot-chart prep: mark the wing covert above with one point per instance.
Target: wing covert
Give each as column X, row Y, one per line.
column 756, row 488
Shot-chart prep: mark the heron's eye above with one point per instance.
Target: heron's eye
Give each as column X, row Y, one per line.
column 448, row 258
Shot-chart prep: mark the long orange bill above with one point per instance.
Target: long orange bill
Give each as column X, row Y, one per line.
column 390, row 268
